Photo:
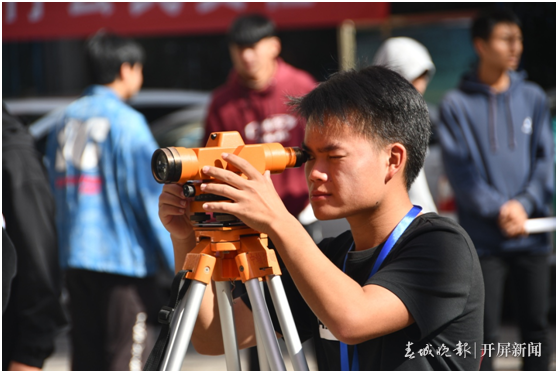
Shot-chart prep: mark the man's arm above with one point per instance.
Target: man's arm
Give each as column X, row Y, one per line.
column 471, row 189
column 351, row 312
column 540, row 184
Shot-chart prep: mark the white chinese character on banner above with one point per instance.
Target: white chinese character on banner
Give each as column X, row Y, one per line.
column 11, row 13
column 205, row 8
column 77, row 9
column 35, row 14
column 273, row 6
column 170, row 9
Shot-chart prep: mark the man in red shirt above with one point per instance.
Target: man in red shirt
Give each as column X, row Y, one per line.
column 254, row 99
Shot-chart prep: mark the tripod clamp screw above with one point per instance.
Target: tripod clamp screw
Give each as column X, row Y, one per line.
column 165, row 315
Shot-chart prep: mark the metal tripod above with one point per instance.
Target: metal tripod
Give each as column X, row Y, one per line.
column 225, row 254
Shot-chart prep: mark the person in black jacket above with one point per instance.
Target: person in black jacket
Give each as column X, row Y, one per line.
column 9, row 264
column 33, row 314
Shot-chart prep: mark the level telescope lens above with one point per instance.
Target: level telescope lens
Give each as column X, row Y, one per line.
column 164, row 166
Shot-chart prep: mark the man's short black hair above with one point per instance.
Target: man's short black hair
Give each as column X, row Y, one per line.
column 107, row 52
column 250, row 28
column 377, row 103
column 484, row 23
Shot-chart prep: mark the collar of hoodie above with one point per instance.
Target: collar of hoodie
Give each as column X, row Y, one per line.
column 470, row 83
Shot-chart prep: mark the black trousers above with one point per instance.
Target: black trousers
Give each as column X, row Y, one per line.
column 113, row 320
column 529, row 275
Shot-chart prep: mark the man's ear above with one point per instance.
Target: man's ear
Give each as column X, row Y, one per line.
column 276, row 44
column 125, row 71
column 480, row 46
column 397, row 159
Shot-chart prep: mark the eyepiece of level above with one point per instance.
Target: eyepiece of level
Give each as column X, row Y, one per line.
column 301, row 156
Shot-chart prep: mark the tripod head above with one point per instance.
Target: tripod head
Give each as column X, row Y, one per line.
column 184, row 165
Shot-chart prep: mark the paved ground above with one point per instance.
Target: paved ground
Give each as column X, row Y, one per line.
column 195, row 362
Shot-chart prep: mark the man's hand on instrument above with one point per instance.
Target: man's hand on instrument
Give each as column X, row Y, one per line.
column 174, row 211
column 256, row 202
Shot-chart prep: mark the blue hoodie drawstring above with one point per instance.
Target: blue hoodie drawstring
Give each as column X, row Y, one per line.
column 511, row 129
column 492, row 108
column 492, row 121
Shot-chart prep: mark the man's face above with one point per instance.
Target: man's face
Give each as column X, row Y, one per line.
column 132, row 77
column 137, row 77
column 251, row 61
column 503, row 48
column 421, row 83
column 345, row 173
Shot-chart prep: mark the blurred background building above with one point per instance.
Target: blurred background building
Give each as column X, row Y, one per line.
column 187, row 48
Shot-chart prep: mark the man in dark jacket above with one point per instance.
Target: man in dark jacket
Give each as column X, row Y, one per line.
column 498, row 155
column 33, row 314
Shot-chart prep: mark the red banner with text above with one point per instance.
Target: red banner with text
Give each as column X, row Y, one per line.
column 43, row 21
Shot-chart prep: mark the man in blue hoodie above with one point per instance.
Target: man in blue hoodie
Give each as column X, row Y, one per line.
column 111, row 240
column 498, row 155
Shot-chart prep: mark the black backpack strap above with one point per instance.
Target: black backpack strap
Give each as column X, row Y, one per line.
column 165, row 317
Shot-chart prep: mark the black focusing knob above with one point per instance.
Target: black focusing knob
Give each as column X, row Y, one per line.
column 189, row 190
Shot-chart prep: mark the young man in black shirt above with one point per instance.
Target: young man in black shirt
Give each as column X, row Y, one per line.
column 422, row 308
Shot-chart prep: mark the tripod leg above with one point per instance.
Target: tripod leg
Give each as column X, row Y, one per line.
column 287, row 323
column 263, row 322
column 224, row 301
column 262, row 356
column 182, row 326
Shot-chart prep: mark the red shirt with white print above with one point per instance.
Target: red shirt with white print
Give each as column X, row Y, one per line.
column 264, row 117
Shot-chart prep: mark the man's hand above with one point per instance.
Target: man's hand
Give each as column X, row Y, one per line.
column 257, row 203
column 16, row 365
column 174, row 211
column 512, row 219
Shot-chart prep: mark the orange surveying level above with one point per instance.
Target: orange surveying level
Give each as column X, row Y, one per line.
column 227, row 250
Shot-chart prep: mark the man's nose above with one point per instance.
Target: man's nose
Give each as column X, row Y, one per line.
column 517, row 46
column 317, row 174
column 248, row 54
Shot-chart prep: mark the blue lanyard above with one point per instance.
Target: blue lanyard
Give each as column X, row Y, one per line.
column 392, row 239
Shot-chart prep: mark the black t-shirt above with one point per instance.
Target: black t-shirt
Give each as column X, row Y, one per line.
column 434, row 269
